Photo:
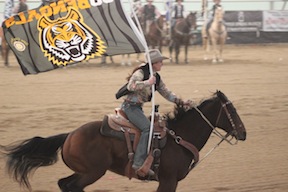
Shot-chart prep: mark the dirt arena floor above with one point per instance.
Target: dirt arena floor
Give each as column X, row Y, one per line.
column 254, row 77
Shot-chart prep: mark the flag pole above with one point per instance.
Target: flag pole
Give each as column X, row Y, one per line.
column 151, row 73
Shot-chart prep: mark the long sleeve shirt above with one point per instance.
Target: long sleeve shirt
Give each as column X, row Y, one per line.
column 141, row 91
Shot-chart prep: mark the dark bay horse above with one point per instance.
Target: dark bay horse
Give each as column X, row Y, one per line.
column 90, row 154
column 181, row 35
column 156, row 33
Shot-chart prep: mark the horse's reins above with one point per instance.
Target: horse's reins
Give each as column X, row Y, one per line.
column 215, row 131
column 193, row 149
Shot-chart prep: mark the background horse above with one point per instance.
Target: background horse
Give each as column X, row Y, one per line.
column 4, row 48
column 217, row 36
column 90, row 154
column 156, row 33
column 181, row 35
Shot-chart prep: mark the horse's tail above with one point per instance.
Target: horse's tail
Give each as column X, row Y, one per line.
column 26, row 156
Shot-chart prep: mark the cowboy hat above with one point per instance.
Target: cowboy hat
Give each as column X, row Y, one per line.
column 155, row 56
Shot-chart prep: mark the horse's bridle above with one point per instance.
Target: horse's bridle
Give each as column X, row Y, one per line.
column 214, row 130
column 192, row 148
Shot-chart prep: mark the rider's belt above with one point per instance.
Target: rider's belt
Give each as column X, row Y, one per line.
column 133, row 103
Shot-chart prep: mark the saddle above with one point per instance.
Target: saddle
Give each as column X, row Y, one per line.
column 117, row 125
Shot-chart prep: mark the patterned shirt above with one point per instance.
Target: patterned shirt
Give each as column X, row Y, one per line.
column 141, row 92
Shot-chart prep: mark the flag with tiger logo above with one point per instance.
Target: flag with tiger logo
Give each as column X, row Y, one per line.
column 66, row 32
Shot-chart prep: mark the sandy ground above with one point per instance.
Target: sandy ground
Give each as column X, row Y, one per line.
column 255, row 79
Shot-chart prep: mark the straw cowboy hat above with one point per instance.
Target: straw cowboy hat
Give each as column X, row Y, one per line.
column 155, row 56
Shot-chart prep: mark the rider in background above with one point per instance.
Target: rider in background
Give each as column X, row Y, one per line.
column 150, row 13
column 177, row 12
column 140, row 92
column 215, row 6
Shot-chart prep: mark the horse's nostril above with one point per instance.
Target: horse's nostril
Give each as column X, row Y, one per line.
column 244, row 135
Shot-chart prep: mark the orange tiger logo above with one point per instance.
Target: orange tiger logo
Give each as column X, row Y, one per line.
column 68, row 39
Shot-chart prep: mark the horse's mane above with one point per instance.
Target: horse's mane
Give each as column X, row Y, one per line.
column 180, row 111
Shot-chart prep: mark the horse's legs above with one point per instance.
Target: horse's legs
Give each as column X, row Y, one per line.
column 77, row 182
column 7, row 56
column 205, row 42
column 186, row 52
column 171, row 45
column 111, row 59
column 167, row 185
column 220, row 52
column 221, row 45
column 5, row 52
column 103, row 59
column 65, row 184
column 123, row 62
column 177, row 51
column 214, row 48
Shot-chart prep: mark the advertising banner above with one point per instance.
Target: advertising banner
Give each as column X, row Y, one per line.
column 243, row 21
column 275, row 21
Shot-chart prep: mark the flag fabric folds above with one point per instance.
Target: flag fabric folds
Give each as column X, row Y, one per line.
column 66, row 32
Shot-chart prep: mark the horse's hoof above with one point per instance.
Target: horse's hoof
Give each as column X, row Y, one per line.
column 221, row 60
column 214, row 61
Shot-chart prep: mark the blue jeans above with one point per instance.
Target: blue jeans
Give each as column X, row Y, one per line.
column 136, row 116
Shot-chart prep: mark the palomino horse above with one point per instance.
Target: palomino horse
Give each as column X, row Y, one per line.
column 4, row 48
column 90, row 154
column 181, row 35
column 217, row 35
column 156, row 33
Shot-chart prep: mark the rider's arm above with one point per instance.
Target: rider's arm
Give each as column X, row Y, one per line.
column 166, row 93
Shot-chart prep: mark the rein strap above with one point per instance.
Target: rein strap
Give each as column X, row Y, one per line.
column 186, row 145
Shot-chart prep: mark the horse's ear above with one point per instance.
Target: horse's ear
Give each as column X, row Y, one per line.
column 221, row 96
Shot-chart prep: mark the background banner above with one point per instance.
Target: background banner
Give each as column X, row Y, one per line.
column 275, row 21
column 243, row 21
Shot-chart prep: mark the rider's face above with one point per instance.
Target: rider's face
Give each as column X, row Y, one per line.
column 157, row 66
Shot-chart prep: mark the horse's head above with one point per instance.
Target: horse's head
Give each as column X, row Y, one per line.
column 191, row 20
column 228, row 118
column 161, row 20
column 219, row 14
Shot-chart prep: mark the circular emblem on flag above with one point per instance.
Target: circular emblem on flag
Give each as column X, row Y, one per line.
column 20, row 46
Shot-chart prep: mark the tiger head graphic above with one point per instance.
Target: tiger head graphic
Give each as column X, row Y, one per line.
column 68, row 39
